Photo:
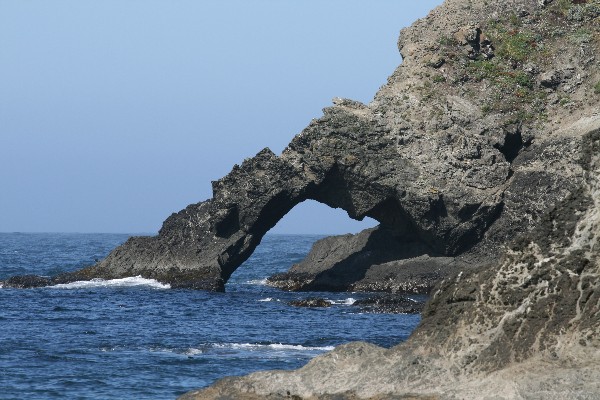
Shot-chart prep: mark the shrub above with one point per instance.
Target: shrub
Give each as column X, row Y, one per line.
column 517, row 46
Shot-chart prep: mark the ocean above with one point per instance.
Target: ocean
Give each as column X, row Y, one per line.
column 136, row 338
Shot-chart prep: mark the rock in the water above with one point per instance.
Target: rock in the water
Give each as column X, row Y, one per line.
column 311, row 302
column 375, row 260
column 26, row 281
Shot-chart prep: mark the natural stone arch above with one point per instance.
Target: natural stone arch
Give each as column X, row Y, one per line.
column 352, row 159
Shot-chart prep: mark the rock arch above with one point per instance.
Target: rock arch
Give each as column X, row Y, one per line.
column 349, row 159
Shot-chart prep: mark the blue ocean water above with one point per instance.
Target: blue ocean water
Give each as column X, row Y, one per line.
column 135, row 338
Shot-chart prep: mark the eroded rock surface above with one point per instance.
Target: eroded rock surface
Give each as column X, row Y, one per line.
column 488, row 131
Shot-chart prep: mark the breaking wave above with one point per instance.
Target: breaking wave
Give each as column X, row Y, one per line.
column 346, row 302
column 261, row 282
column 122, row 282
column 273, row 346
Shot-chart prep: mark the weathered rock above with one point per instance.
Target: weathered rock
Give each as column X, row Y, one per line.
column 375, row 260
column 460, row 163
column 525, row 327
column 390, row 304
column 523, row 320
column 312, row 302
column 26, row 281
column 423, row 159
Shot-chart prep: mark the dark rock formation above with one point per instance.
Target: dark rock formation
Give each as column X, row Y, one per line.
column 312, row 302
column 440, row 175
column 456, row 158
column 390, row 304
column 374, row 260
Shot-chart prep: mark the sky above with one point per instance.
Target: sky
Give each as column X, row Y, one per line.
column 116, row 113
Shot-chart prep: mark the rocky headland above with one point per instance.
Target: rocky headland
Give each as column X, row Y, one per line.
column 480, row 159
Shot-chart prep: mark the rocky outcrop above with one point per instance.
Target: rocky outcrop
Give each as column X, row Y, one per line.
column 374, row 260
column 521, row 320
column 525, row 327
column 311, row 303
column 488, row 131
column 447, row 156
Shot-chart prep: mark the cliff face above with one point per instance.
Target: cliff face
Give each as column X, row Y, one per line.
column 526, row 327
column 480, row 152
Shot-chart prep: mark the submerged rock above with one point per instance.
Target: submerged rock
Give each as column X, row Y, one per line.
column 312, row 302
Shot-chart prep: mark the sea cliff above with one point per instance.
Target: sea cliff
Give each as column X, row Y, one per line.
column 480, row 160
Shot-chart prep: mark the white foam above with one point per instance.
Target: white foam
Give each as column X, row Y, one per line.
column 274, row 346
column 347, row 302
column 192, row 352
column 123, row 282
column 269, row 299
column 261, row 282
column 280, row 346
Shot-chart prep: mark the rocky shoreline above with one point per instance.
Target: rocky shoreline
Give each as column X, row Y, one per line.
column 519, row 317
column 480, row 160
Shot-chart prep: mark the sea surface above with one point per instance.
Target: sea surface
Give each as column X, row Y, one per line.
column 137, row 339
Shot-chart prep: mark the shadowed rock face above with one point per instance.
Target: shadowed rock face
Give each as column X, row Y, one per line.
column 375, row 260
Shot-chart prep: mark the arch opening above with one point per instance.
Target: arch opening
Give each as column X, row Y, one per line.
column 306, row 223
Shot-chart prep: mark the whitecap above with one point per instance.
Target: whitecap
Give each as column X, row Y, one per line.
column 261, row 282
column 269, row 299
column 346, row 302
column 273, row 346
column 193, row 352
column 122, row 282
column 279, row 346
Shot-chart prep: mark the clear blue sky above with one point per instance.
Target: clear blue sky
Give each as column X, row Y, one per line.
column 116, row 113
